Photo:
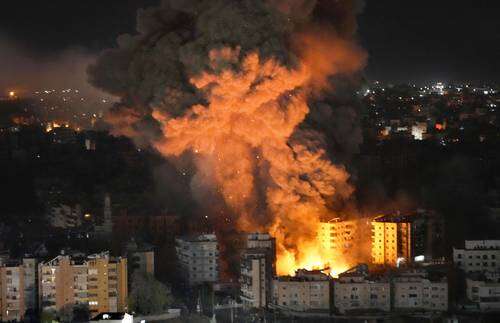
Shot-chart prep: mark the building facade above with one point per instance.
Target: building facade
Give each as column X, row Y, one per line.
column 484, row 290
column 391, row 240
column 257, row 270
column 478, row 256
column 416, row 236
column 307, row 290
column 415, row 291
column 356, row 290
column 337, row 235
column 17, row 288
column 198, row 258
column 98, row 280
column 140, row 258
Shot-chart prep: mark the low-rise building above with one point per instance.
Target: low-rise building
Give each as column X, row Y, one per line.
column 478, row 256
column 484, row 290
column 98, row 280
column 307, row 290
column 414, row 290
column 17, row 288
column 198, row 258
column 356, row 290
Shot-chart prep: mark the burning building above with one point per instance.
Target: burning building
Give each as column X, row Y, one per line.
column 398, row 238
column 391, row 240
column 238, row 95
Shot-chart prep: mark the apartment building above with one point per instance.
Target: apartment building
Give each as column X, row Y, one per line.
column 478, row 256
column 307, row 290
column 17, row 288
column 141, row 258
column 414, row 290
column 337, row 235
column 391, row 240
column 484, row 290
column 398, row 238
column 198, row 258
column 356, row 290
column 257, row 270
column 98, row 280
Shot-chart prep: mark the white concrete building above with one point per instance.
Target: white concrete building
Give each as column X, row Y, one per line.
column 478, row 256
column 307, row 290
column 414, row 291
column 255, row 279
column 355, row 290
column 257, row 270
column 199, row 258
column 484, row 291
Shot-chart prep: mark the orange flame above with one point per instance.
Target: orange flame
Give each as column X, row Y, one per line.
column 246, row 144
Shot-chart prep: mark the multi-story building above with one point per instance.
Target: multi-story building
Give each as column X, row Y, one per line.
column 484, row 290
column 478, row 256
column 140, row 258
column 257, row 270
column 307, row 290
column 106, row 228
column 356, row 290
column 17, row 288
column 98, row 280
column 337, row 235
column 398, row 238
column 415, row 291
column 198, row 258
column 391, row 240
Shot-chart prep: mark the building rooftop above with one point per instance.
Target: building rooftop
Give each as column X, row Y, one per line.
column 396, row 218
column 211, row 237
column 482, row 244
column 303, row 275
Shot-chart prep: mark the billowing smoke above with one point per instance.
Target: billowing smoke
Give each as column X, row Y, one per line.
column 228, row 86
column 27, row 72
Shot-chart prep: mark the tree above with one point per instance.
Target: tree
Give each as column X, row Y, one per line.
column 47, row 317
column 65, row 314
column 148, row 295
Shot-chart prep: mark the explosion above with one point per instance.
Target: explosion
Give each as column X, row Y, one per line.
column 239, row 113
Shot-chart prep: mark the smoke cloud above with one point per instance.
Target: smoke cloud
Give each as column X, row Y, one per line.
column 229, row 85
column 28, row 72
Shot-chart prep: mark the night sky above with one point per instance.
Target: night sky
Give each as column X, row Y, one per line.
column 406, row 40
